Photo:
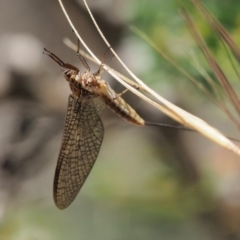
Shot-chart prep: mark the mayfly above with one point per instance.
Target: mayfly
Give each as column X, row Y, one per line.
column 84, row 131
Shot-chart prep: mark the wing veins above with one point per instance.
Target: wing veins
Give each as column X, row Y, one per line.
column 83, row 135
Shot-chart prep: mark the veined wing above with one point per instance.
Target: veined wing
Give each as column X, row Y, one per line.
column 82, row 139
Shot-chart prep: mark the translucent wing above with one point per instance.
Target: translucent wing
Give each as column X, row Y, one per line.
column 82, row 139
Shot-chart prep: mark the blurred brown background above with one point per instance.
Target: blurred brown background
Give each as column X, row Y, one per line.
column 147, row 183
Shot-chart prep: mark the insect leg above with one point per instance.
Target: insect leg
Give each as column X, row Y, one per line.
column 59, row 61
column 82, row 59
column 102, row 61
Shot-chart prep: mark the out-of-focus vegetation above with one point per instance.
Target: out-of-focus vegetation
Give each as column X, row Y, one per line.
column 147, row 183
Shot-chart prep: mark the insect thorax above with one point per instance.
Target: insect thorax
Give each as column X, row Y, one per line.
column 85, row 84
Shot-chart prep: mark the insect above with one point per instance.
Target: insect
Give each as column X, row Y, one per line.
column 84, row 131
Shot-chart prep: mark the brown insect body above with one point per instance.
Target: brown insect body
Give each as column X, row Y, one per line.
column 83, row 130
column 94, row 85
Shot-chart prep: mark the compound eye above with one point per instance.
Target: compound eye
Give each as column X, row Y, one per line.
column 67, row 74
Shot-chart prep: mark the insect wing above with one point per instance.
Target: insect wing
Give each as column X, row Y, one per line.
column 82, row 139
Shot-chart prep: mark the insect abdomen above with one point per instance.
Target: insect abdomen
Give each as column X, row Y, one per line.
column 121, row 108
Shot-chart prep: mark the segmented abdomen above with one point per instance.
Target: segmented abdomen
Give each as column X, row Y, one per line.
column 121, row 108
